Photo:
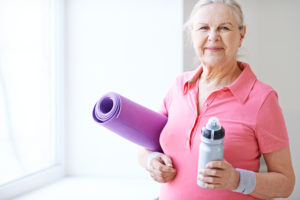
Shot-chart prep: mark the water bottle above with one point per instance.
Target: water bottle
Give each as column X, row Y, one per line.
column 211, row 147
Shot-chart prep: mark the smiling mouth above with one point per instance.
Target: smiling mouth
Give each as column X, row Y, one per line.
column 214, row 49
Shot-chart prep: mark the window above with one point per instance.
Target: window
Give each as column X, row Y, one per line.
column 30, row 91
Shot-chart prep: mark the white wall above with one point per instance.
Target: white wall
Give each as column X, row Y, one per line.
column 132, row 47
column 271, row 47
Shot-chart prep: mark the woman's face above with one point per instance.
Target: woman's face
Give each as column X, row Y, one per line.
column 216, row 36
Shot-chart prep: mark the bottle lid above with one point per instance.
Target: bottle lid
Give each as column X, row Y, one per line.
column 213, row 124
column 218, row 134
column 213, row 129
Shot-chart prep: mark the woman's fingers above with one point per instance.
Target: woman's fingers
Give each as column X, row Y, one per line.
column 210, row 179
column 159, row 164
column 219, row 175
column 218, row 164
column 161, row 169
column 163, row 176
column 210, row 172
column 167, row 160
column 213, row 186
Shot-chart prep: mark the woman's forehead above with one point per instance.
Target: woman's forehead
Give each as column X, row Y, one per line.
column 216, row 13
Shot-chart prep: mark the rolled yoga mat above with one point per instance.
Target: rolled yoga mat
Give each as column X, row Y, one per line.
column 130, row 120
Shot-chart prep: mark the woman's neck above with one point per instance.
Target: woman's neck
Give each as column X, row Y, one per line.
column 220, row 76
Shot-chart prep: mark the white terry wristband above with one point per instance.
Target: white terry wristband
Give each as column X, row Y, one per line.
column 151, row 156
column 247, row 181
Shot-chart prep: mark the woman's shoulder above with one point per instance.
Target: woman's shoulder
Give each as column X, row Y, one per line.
column 263, row 92
column 262, row 88
column 257, row 87
column 186, row 76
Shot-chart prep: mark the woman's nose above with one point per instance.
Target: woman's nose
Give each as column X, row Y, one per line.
column 213, row 35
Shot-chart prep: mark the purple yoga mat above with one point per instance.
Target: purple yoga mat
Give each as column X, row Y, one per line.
column 130, row 120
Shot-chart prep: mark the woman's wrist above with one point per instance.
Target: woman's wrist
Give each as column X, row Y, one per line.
column 236, row 179
column 152, row 156
column 247, row 181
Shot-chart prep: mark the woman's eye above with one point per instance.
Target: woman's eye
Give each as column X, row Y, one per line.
column 224, row 28
column 203, row 28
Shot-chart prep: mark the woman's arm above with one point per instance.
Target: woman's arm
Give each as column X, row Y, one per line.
column 143, row 157
column 279, row 181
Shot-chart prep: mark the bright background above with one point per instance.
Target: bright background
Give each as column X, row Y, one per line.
column 131, row 47
column 136, row 48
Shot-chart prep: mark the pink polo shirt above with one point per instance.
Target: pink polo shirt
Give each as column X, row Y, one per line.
column 250, row 114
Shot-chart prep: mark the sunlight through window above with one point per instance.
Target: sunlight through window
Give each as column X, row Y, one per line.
column 27, row 89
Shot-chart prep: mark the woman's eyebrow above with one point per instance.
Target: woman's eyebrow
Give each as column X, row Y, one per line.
column 200, row 23
column 226, row 23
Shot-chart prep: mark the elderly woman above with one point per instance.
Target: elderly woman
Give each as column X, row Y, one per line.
column 247, row 108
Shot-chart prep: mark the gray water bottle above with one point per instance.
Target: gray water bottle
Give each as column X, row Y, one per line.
column 211, row 147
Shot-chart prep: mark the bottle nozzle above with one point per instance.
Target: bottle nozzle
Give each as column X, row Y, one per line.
column 213, row 124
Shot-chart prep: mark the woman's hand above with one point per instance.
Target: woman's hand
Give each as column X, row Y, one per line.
column 219, row 175
column 161, row 169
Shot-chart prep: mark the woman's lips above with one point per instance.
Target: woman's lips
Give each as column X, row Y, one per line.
column 214, row 49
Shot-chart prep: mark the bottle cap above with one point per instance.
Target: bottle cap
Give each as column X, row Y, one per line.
column 213, row 129
column 213, row 124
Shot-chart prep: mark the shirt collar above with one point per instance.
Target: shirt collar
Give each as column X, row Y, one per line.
column 191, row 78
column 243, row 85
column 240, row 88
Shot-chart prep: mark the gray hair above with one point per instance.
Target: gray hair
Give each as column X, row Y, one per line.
column 232, row 3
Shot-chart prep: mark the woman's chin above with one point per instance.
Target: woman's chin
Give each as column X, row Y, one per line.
column 213, row 62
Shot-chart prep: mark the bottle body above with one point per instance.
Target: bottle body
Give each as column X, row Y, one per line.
column 211, row 147
column 209, row 152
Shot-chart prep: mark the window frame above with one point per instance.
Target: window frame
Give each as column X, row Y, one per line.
column 42, row 177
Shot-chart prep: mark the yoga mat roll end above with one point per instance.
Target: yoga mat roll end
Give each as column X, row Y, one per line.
column 130, row 120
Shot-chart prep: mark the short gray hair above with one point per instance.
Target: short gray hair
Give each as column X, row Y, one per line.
column 231, row 3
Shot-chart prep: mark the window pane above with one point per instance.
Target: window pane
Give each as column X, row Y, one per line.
column 26, row 88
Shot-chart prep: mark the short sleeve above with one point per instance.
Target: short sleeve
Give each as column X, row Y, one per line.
column 271, row 130
column 163, row 109
column 166, row 102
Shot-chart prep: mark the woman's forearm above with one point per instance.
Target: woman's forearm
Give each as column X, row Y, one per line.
column 273, row 184
column 143, row 156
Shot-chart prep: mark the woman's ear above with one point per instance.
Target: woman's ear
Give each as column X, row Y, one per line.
column 243, row 33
